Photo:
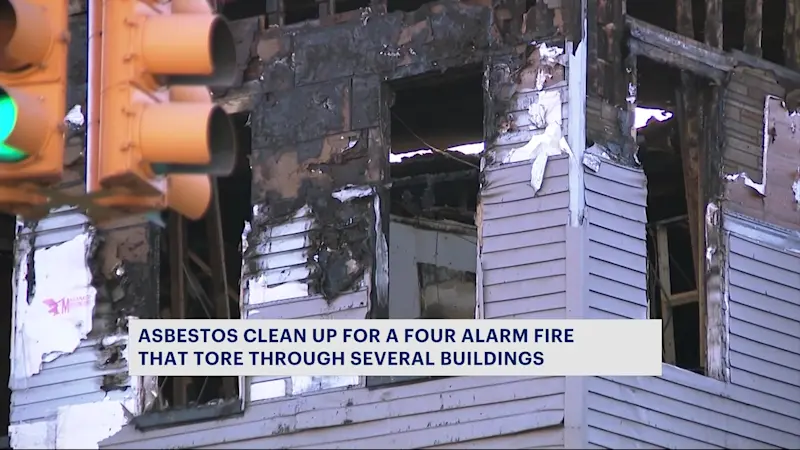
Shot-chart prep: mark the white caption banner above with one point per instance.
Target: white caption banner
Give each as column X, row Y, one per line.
column 395, row 347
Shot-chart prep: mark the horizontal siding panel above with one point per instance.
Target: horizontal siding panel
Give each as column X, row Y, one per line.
column 613, row 289
column 625, row 176
column 520, row 172
column 525, row 289
column 618, row 273
column 525, row 239
column 757, row 284
column 765, row 319
column 596, row 312
column 536, row 204
column 752, row 250
column 547, row 438
column 618, row 257
column 686, row 410
column 445, row 431
column 56, row 228
column 615, row 190
column 525, row 272
column 375, row 417
column 519, row 224
column 618, row 308
column 618, row 207
column 764, row 336
column 768, row 272
column 622, row 225
column 767, row 385
column 523, row 191
column 310, row 307
column 767, row 352
column 645, row 433
column 599, row 438
column 524, row 255
column 506, row 308
column 612, row 238
column 764, row 303
column 770, row 370
column 49, row 408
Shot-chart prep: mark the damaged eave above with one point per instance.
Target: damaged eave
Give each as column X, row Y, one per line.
column 670, row 48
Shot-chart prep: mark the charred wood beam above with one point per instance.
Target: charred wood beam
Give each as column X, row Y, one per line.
column 713, row 25
column 432, row 178
column 678, row 51
column 177, row 262
column 753, row 26
column 689, row 114
column 675, row 59
column 791, row 35
column 219, row 282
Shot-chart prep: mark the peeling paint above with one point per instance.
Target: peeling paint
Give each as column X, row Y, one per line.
column 82, row 425
column 351, row 192
column 758, row 187
column 59, row 314
column 305, row 384
column 545, row 113
column 259, row 291
column 796, row 187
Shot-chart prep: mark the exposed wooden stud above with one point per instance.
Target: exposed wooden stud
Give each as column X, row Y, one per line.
column 753, row 27
column 219, row 282
column 791, row 35
column 177, row 261
column 713, row 25
column 668, row 324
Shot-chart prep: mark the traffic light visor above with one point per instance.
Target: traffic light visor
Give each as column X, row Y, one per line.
column 25, row 35
column 8, row 120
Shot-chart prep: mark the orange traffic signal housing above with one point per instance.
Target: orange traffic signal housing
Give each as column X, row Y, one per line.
column 160, row 134
column 34, row 37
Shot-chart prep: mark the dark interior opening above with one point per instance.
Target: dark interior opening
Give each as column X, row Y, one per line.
column 660, row 155
column 662, row 14
column 405, row 5
column 296, row 11
column 436, row 112
column 432, row 235
column 7, row 234
column 241, row 9
column 199, row 274
column 350, row 5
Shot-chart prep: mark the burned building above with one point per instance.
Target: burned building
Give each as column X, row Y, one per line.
column 459, row 159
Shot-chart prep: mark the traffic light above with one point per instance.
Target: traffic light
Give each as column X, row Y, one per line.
column 160, row 134
column 34, row 38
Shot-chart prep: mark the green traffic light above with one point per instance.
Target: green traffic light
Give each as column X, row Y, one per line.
column 8, row 120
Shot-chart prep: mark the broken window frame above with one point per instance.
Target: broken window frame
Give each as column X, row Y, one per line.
column 381, row 310
column 712, row 65
column 220, row 297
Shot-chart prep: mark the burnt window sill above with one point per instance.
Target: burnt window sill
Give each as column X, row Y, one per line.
column 382, row 382
column 175, row 417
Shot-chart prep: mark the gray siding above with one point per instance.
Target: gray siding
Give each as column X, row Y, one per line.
column 523, row 269
column 682, row 409
column 523, row 253
column 418, row 415
column 758, row 408
column 69, row 379
column 764, row 304
column 616, row 200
